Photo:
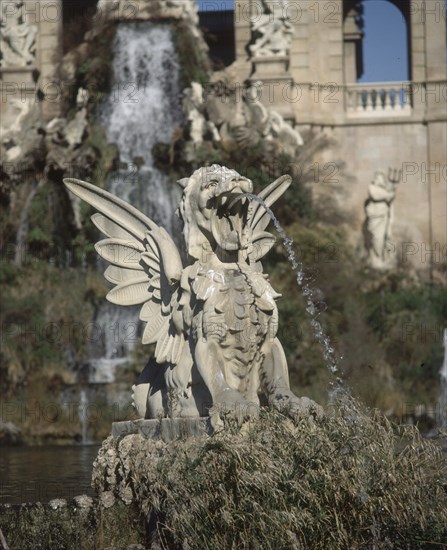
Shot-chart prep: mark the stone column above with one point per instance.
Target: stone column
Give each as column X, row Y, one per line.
column 242, row 31
column 433, row 175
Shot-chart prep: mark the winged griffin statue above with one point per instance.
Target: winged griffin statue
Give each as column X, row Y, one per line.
column 213, row 320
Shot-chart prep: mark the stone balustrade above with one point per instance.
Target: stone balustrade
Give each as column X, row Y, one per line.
column 378, row 99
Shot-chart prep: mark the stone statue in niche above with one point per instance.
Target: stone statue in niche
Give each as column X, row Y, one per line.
column 17, row 36
column 213, row 319
column 379, row 219
column 272, row 30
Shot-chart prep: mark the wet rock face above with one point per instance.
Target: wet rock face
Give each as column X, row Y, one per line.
column 121, row 459
column 126, row 459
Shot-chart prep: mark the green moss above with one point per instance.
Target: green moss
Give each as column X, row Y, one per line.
column 194, row 64
column 409, row 323
column 95, row 71
column 45, row 317
column 107, row 154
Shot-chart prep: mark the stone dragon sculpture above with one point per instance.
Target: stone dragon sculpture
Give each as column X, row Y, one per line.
column 214, row 320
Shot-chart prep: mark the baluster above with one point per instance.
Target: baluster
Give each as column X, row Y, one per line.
column 350, row 100
column 388, row 99
column 359, row 100
column 405, row 98
column 369, row 100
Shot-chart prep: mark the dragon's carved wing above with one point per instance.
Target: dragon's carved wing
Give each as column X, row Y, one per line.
column 146, row 267
column 259, row 219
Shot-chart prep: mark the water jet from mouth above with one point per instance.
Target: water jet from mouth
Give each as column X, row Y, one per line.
column 313, row 297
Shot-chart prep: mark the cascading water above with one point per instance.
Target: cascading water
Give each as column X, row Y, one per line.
column 83, row 415
column 22, row 232
column 142, row 110
column 112, row 338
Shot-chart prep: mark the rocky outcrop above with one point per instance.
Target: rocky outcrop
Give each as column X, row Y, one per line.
column 118, row 460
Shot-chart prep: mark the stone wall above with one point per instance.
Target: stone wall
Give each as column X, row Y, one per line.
column 30, row 55
column 406, row 129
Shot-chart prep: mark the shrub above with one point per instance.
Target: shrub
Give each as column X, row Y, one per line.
column 349, row 480
column 193, row 61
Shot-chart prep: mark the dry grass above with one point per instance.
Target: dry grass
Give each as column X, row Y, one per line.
column 351, row 480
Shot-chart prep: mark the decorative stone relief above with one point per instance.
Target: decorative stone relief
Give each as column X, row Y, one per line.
column 17, row 36
column 213, row 318
column 126, row 10
column 272, row 31
column 18, row 129
column 236, row 117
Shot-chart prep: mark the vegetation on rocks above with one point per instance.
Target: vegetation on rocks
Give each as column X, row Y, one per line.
column 350, row 480
column 193, row 59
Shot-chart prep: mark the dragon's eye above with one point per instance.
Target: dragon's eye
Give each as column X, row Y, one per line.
column 212, row 184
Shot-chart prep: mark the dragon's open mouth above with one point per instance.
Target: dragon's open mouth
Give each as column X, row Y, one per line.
column 229, row 220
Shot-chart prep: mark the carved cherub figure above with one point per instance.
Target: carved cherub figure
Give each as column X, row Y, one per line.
column 214, row 320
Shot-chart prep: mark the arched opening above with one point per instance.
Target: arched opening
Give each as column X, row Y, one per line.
column 377, row 49
column 386, row 42
column 217, row 23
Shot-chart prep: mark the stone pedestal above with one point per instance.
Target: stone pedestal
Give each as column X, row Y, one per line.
column 270, row 67
column 277, row 84
column 164, row 429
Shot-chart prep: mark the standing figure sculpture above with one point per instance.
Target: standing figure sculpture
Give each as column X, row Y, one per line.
column 214, row 320
column 379, row 219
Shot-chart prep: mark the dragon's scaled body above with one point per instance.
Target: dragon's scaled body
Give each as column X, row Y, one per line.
column 214, row 320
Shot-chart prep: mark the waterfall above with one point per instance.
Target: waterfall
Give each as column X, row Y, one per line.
column 112, row 338
column 83, row 415
column 22, row 232
column 143, row 109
